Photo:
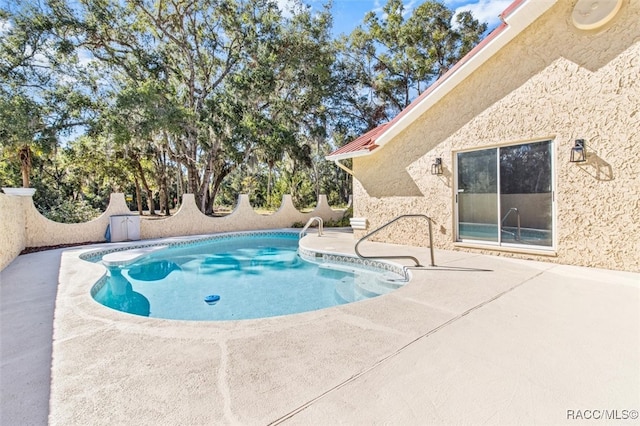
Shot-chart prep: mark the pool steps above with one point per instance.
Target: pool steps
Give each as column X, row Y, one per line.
column 362, row 290
column 368, row 284
column 123, row 258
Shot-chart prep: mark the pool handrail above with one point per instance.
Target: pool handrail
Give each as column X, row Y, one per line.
column 417, row 262
column 309, row 223
column 512, row 209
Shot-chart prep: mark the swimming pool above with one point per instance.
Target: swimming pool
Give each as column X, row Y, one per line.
column 235, row 276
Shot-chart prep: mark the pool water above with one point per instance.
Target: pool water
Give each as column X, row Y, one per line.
column 254, row 277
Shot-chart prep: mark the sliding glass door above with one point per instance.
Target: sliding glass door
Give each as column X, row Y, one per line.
column 504, row 195
column 478, row 195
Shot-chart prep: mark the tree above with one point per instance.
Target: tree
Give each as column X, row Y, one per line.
column 396, row 59
column 228, row 91
column 22, row 130
column 274, row 103
column 38, row 100
column 141, row 121
column 201, row 51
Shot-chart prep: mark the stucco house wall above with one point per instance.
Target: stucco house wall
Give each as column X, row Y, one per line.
column 551, row 82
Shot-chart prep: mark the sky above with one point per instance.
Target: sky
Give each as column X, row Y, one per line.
column 348, row 14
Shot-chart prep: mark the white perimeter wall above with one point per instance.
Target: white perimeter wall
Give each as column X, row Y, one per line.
column 21, row 225
column 12, row 227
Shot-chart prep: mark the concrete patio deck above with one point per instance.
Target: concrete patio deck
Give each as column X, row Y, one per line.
column 480, row 339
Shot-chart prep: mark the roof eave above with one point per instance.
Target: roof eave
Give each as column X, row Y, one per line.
column 346, row 155
column 519, row 15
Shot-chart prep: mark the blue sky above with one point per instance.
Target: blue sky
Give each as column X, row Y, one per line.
column 347, row 14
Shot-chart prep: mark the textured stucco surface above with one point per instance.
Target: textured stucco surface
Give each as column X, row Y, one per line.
column 190, row 221
column 12, row 227
column 41, row 231
column 21, row 225
column 552, row 82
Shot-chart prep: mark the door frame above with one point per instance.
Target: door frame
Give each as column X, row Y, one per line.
column 500, row 244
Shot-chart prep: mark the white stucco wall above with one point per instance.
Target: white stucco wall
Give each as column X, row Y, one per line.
column 553, row 82
column 191, row 221
column 12, row 227
column 21, row 225
column 41, row 231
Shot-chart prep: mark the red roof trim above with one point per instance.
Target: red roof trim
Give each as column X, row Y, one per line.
column 364, row 143
column 513, row 6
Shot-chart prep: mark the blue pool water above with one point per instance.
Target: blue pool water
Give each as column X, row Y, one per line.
column 233, row 278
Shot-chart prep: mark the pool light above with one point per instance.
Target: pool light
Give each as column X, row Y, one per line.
column 578, row 152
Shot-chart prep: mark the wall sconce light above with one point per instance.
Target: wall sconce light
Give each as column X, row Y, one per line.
column 436, row 167
column 578, row 152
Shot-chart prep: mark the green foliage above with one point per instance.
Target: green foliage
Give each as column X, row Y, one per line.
column 68, row 211
column 392, row 59
column 23, row 132
column 9, row 172
column 212, row 97
column 343, row 222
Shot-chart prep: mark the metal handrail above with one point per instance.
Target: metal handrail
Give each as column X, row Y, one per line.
column 309, row 222
column 512, row 209
column 417, row 262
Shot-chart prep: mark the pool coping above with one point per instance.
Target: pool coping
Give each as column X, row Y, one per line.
column 91, row 274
